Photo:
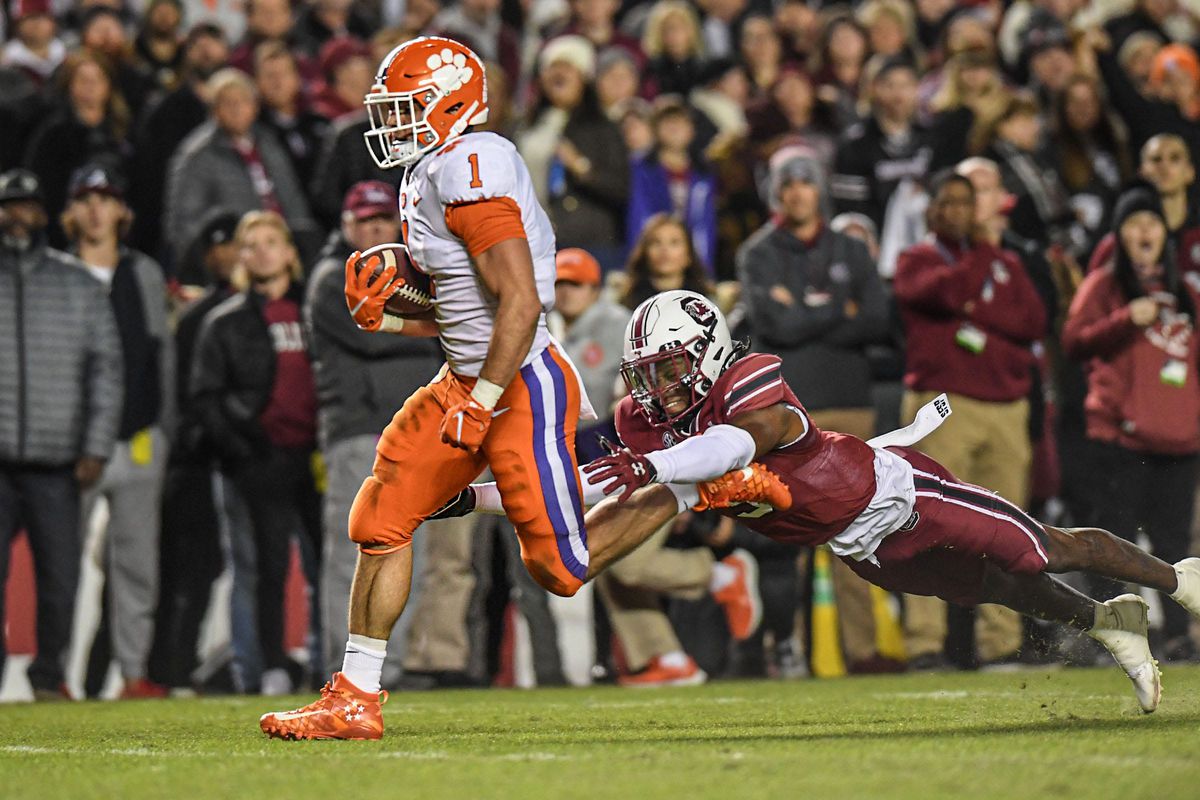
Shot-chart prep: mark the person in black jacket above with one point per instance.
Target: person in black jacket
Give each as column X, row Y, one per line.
column 814, row 298
column 253, row 389
column 359, row 377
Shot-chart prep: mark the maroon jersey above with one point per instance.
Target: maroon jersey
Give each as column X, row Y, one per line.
column 831, row 476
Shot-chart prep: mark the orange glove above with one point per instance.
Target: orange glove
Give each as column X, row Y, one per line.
column 466, row 425
column 365, row 297
column 751, row 484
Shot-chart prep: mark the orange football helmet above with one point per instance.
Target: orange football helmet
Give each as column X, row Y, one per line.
column 427, row 92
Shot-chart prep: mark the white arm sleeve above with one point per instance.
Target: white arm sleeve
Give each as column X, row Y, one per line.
column 710, row 455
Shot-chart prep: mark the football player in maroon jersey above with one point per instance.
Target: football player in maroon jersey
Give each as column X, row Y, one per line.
column 707, row 427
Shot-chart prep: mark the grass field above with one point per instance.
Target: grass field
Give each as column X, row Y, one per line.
column 1073, row 734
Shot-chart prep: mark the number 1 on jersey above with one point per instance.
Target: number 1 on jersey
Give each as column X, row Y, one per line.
column 475, row 181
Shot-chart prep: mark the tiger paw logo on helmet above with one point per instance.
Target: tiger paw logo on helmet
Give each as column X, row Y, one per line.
column 450, row 70
column 427, row 92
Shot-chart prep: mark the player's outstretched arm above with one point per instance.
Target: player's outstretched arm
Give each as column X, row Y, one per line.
column 718, row 450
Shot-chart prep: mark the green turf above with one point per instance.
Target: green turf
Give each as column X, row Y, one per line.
column 1066, row 733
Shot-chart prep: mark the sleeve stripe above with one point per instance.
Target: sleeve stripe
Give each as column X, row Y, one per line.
column 749, row 378
column 739, row 394
column 752, row 395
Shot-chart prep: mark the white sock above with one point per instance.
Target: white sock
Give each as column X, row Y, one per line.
column 487, row 499
column 686, row 494
column 676, row 659
column 363, row 663
column 722, row 576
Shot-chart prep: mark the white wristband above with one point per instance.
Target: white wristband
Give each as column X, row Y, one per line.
column 391, row 324
column 486, row 393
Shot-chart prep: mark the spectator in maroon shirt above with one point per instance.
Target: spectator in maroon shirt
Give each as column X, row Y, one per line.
column 1133, row 321
column 971, row 314
column 253, row 390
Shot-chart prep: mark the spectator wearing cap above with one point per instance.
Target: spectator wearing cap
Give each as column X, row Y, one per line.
column 158, row 45
column 321, row 21
column 576, row 156
column 253, row 390
column 34, row 48
column 674, row 46
column 91, row 125
column 478, row 24
column 349, row 72
column 1134, row 324
column 102, row 30
column 61, row 387
column 165, row 125
column 671, row 180
column 227, row 16
column 1047, row 58
column 190, row 555
column 232, row 162
column 360, row 378
column 814, row 298
column 96, row 221
column 888, row 147
column 971, row 315
column 284, row 111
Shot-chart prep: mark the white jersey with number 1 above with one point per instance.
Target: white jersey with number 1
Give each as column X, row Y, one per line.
column 473, row 168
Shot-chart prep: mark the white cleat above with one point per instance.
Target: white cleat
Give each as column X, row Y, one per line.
column 1123, row 633
column 1187, row 572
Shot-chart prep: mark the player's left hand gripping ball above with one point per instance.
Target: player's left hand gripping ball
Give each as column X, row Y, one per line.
column 624, row 470
column 368, row 288
column 466, row 425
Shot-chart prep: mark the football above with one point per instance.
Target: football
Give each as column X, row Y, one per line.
column 414, row 299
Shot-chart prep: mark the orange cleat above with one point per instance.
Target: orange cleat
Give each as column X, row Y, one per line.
column 740, row 599
column 657, row 673
column 342, row 712
column 750, row 484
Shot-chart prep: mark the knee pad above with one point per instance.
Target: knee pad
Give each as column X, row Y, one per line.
column 375, row 527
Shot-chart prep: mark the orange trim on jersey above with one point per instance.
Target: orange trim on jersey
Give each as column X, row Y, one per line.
column 483, row 224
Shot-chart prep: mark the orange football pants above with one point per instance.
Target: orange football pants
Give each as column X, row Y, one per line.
column 530, row 448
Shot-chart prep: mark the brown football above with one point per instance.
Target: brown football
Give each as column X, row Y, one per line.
column 414, row 299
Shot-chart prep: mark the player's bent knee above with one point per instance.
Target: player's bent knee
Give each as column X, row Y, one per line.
column 369, row 523
column 552, row 576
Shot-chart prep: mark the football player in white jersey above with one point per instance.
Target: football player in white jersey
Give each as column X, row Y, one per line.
column 507, row 398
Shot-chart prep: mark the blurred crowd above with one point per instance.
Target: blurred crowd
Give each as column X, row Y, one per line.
column 995, row 200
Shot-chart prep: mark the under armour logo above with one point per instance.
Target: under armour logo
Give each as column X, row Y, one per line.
column 638, row 469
